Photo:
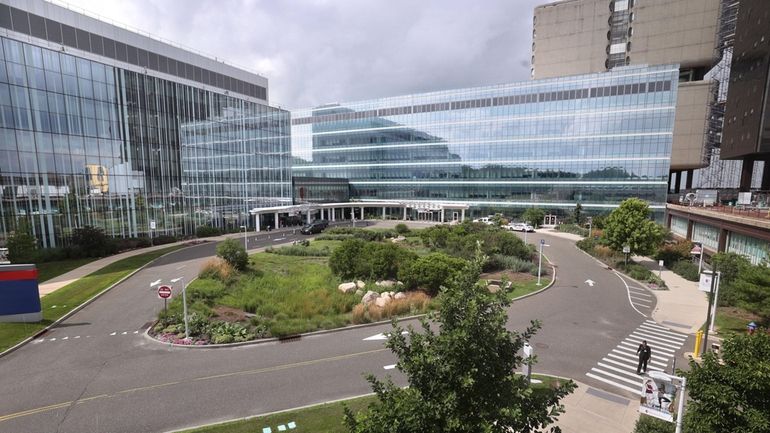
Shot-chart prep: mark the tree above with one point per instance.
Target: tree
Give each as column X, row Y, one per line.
column 630, row 224
column 577, row 215
column 461, row 379
column 430, row 272
column 233, row 253
column 21, row 244
column 732, row 395
column 534, row 216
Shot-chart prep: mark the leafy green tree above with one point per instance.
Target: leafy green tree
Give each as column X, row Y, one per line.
column 430, row 272
column 233, row 253
column 630, row 224
column 21, row 244
column 461, row 379
column 648, row 424
column 732, row 395
column 534, row 216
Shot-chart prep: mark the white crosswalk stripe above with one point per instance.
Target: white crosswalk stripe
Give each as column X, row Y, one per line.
column 618, row 368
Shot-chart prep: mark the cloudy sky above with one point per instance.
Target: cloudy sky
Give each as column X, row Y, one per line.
column 318, row 51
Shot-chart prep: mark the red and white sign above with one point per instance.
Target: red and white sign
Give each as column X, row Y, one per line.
column 696, row 250
column 164, row 292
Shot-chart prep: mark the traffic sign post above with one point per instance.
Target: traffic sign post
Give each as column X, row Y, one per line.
column 540, row 260
column 164, row 292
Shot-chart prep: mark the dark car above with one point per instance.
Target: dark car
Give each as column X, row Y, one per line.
column 322, row 223
column 313, row 228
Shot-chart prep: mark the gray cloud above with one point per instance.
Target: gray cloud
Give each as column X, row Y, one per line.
column 317, row 51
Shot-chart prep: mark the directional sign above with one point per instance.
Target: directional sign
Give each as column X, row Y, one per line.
column 164, row 292
column 590, row 282
column 542, row 241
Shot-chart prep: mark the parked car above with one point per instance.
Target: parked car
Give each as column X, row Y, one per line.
column 520, row 227
column 312, row 228
column 324, row 223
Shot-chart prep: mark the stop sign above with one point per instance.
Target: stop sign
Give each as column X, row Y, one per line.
column 164, row 292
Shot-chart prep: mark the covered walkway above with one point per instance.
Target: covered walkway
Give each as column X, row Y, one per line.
column 279, row 216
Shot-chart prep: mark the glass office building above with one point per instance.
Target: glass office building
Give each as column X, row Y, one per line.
column 136, row 141
column 592, row 139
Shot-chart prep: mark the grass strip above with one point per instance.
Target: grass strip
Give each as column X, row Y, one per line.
column 57, row 304
column 49, row 270
column 325, row 417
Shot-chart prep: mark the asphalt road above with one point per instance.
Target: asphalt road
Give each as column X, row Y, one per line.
column 100, row 374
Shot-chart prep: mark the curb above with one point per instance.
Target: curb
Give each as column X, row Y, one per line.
column 86, row 303
column 553, row 281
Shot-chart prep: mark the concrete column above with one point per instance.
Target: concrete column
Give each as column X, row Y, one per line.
column 678, row 181
column 690, row 225
column 688, row 179
column 670, row 179
column 746, row 172
column 276, row 220
column 442, row 214
column 383, row 212
column 352, row 213
column 722, row 241
column 308, row 216
column 462, row 215
column 404, row 213
column 333, row 214
column 256, row 218
column 362, row 213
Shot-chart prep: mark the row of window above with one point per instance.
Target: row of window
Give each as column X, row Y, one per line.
column 54, row 31
column 560, row 95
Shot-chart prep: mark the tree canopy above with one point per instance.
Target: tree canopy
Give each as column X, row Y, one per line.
column 462, row 378
column 534, row 216
column 630, row 224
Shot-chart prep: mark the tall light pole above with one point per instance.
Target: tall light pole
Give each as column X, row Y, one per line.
column 590, row 227
column 245, row 238
column 700, row 260
column 184, row 302
column 540, row 260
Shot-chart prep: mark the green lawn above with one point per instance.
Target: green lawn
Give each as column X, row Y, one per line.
column 326, row 417
column 49, row 270
column 733, row 320
column 521, row 289
column 64, row 300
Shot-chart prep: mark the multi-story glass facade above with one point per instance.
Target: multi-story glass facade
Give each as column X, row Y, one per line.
column 593, row 139
column 86, row 142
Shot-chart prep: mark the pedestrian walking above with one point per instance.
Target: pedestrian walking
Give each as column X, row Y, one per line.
column 644, row 352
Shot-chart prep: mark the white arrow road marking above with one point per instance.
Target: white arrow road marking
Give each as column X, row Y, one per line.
column 65, row 338
column 181, row 267
column 590, row 282
column 40, row 340
column 77, row 337
column 136, row 332
column 381, row 336
column 155, row 283
column 124, row 333
column 113, row 333
column 389, row 367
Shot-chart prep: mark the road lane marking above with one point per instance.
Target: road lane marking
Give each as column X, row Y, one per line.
column 381, row 336
column 167, row 384
column 601, row 379
column 628, row 292
column 649, row 328
column 389, row 367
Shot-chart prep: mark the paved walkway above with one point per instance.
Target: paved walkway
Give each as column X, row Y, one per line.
column 596, row 411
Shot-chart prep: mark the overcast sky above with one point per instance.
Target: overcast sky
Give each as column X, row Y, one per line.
column 319, row 51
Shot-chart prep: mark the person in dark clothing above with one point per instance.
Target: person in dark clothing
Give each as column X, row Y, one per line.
column 644, row 352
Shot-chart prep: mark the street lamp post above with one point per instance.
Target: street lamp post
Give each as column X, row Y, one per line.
column 184, row 303
column 590, row 227
column 540, row 260
column 700, row 260
column 245, row 238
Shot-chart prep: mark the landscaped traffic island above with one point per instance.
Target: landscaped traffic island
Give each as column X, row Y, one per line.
column 345, row 276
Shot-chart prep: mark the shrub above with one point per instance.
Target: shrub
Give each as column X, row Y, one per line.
column 206, row 231
column 572, row 228
column 356, row 258
column 21, row 244
column 402, row 229
column 648, row 424
column 364, row 234
column 233, row 253
column 92, row 242
column 498, row 262
column 414, row 303
column 672, row 253
column 461, row 240
column 686, row 269
column 300, row 250
column 227, row 332
column 217, row 269
column 164, row 239
column 334, row 237
column 430, row 272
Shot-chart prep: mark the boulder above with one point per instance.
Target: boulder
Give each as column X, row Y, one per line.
column 399, row 295
column 494, row 288
column 347, row 287
column 370, row 297
column 359, row 292
column 386, row 283
column 360, row 284
column 383, row 301
column 398, row 239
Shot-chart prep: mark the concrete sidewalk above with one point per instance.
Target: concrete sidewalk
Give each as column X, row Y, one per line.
column 596, row 411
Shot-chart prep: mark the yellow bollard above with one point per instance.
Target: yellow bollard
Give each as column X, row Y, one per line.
column 698, row 342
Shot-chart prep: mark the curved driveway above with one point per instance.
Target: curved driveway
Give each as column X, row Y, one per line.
column 101, row 375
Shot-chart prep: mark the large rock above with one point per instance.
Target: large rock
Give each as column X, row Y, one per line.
column 370, row 297
column 386, row 283
column 360, row 284
column 383, row 300
column 398, row 239
column 347, row 287
column 399, row 295
column 359, row 292
column 494, row 288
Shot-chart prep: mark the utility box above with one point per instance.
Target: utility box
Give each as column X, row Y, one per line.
column 19, row 294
